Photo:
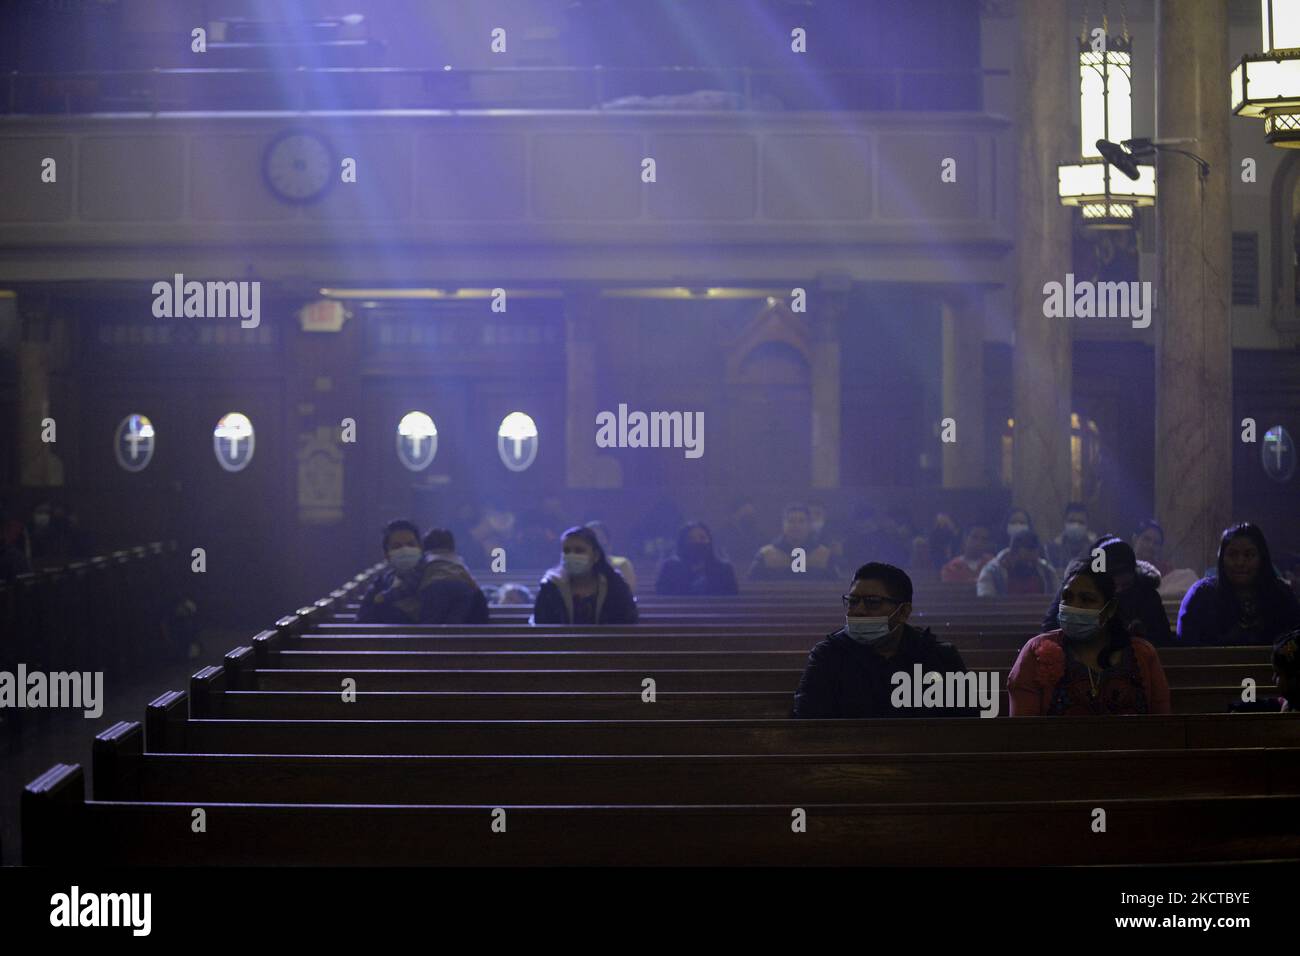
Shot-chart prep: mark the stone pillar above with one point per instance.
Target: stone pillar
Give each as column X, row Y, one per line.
column 1041, row 356
column 963, row 388
column 824, row 354
column 39, row 463
column 1194, row 426
column 584, row 467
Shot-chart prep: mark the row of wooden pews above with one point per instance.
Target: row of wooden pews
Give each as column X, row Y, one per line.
column 324, row 741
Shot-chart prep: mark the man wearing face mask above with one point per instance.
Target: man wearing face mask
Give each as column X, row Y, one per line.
column 850, row 673
column 1073, row 542
column 393, row 596
column 1019, row 569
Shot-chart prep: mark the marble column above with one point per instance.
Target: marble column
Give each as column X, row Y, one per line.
column 40, row 463
column 1041, row 356
column 584, row 466
column 963, row 388
column 824, row 355
column 1194, row 426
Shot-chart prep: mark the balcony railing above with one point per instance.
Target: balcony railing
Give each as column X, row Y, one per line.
column 524, row 88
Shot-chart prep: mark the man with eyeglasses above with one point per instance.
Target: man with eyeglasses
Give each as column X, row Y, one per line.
column 850, row 673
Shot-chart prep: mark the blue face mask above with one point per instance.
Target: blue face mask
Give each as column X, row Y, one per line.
column 867, row 630
column 576, row 564
column 1077, row 623
column 404, row 559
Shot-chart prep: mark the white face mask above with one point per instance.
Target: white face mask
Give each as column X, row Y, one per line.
column 867, row 630
column 403, row 559
column 576, row 564
column 1076, row 529
column 1077, row 623
column 1015, row 529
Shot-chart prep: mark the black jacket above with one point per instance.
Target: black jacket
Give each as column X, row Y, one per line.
column 846, row 679
column 400, row 599
column 1141, row 608
column 1210, row 614
column 675, row 578
column 392, row 598
column 614, row 601
column 452, row 601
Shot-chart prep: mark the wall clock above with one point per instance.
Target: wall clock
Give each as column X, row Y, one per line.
column 298, row 166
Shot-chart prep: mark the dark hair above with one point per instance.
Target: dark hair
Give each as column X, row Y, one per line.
column 1286, row 654
column 1267, row 576
column 1271, row 590
column 1028, row 517
column 974, row 526
column 1119, row 553
column 1149, row 524
column 1025, row 539
column 895, row 580
column 601, row 565
column 1118, row 631
column 797, row 506
column 439, row 539
column 683, row 535
column 396, row 525
column 1075, row 506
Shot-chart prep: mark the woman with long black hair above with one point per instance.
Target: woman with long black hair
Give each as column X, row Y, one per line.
column 695, row 568
column 1245, row 603
column 1091, row 665
column 583, row 588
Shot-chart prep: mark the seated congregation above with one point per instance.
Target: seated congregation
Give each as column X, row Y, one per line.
column 1097, row 653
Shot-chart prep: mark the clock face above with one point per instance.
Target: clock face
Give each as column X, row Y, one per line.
column 298, row 166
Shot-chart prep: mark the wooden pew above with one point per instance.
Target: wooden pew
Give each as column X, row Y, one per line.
column 168, row 729
column 424, row 652
column 493, row 637
column 210, row 698
column 380, row 675
column 61, row 828
column 123, row 771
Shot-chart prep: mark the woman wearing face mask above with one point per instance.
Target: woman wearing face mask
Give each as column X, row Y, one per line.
column 1091, row 665
column 1137, row 593
column 694, row 568
column 584, row 588
column 1245, row 603
column 393, row 597
column 1018, row 520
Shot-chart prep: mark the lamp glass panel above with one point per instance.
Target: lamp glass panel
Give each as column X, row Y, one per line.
column 1082, row 180
column 1092, row 109
column 1144, row 185
column 1119, row 100
column 1273, row 80
column 1286, row 24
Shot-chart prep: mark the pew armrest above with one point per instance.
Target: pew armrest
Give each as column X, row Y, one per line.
column 52, row 812
column 116, row 757
column 206, row 688
column 165, row 723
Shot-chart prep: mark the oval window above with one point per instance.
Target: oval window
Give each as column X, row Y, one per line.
column 233, row 440
column 517, row 441
column 1277, row 454
column 133, row 442
column 417, row 440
